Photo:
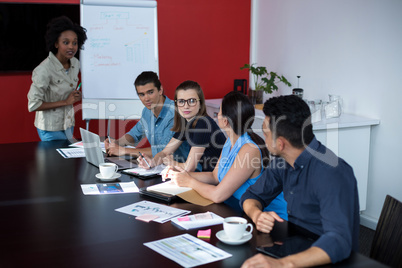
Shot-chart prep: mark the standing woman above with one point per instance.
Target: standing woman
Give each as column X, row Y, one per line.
column 52, row 93
column 243, row 159
column 191, row 124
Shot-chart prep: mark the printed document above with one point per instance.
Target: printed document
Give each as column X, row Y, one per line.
column 80, row 144
column 109, row 188
column 164, row 213
column 187, row 250
column 71, row 152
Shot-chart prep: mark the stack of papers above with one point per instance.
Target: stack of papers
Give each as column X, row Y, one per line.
column 198, row 220
column 78, row 150
column 164, row 213
column 80, row 144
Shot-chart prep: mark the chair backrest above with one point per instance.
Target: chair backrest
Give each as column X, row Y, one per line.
column 387, row 241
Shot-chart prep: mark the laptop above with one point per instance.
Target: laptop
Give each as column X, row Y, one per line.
column 95, row 156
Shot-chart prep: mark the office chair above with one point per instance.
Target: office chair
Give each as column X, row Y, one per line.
column 387, row 241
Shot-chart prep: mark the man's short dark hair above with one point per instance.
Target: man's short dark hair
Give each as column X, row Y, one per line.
column 290, row 117
column 147, row 77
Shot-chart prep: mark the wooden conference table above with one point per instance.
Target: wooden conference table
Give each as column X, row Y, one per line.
column 46, row 220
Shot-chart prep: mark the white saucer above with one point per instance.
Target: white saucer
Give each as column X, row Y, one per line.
column 114, row 177
column 221, row 235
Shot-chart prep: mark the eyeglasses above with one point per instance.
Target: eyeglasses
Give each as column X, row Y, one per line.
column 191, row 102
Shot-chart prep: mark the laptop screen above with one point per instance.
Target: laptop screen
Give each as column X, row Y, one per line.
column 92, row 148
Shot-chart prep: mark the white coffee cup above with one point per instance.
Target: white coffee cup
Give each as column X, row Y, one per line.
column 235, row 227
column 107, row 170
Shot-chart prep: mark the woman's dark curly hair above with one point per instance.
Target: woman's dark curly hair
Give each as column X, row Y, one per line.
column 60, row 24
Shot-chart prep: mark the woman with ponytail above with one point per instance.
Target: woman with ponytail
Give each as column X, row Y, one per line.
column 242, row 161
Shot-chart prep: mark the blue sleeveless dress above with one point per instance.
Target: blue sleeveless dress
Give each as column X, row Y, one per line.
column 228, row 157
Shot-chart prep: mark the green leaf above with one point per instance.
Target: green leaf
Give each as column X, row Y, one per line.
column 246, row 66
column 263, row 79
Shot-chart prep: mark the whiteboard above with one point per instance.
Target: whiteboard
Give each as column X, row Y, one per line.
column 122, row 43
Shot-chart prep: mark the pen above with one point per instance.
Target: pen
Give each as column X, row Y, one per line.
column 78, row 86
column 146, row 162
column 110, row 141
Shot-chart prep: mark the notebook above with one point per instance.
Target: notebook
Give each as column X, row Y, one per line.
column 168, row 198
column 95, row 156
column 197, row 221
column 166, row 191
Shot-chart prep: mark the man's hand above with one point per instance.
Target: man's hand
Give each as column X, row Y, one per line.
column 113, row 149
column 263, row 261
column 108, row 143
column 264, row 221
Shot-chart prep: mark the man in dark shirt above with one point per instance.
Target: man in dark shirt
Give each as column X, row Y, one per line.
column 320, row 188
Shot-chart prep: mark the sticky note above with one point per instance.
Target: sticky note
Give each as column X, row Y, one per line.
column 204, row 233
column 185, row 218
column 146, row 217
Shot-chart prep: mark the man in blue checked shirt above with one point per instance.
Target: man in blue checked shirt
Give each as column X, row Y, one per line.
column 320, row 188
column 155, row 123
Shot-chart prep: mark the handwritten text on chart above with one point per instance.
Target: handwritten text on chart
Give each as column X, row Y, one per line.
column 114, row 15
column 99, row 42
column 95, row 28
column 104, row 60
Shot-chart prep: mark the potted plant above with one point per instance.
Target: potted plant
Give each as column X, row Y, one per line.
column 264, row 81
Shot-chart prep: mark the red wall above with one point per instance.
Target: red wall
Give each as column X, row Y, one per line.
column 205, row 41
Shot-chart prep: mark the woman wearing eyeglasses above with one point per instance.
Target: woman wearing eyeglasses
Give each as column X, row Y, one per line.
column 194, row 126
column 242, row 161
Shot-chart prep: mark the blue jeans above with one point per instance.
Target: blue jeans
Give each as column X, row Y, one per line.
column 56, row 135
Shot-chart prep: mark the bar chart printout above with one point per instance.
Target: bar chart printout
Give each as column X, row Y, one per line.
column 187, row 250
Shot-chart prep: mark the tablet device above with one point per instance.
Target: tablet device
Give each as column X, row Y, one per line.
column 286, row 247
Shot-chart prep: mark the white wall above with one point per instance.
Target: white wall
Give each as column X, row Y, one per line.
column 351, row 48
